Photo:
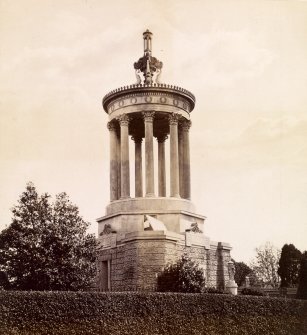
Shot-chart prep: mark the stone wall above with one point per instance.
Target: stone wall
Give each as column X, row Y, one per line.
column 133, row 263
column 217, row 259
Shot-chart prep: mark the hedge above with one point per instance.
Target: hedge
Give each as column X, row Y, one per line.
column 148, row 313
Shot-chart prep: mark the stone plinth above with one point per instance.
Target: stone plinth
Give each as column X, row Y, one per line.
column 232, row 287
column 127, row 215
column 134, row 261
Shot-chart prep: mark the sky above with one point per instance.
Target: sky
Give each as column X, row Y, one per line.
column 246, row 63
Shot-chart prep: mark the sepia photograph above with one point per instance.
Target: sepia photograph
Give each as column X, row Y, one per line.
column 153, row 167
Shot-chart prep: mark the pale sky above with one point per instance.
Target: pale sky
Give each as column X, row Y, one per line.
column 246, row 63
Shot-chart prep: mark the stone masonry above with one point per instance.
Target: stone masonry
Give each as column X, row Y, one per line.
column 144, row 228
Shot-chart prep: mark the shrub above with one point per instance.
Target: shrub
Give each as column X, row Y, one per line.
column 71, row 313
column 250, row 291
column 213, row 290
column 183, row 276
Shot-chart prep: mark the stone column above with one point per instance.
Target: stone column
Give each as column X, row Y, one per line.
column 149, row 154
column 113, row 161
column 138, row 166
column 186, row 160
column 161, row 165
column 181, row 163
column 118, row 165
column 124, row 156
column 174, row 161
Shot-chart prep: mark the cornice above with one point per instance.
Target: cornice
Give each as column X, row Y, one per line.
column 147, row 89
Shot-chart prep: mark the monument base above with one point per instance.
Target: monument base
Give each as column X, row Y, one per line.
column 135, row 245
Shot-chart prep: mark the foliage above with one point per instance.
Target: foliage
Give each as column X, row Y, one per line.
column 183, row 276
column 250, row 291
column 71, row 313
column 4, row 281
column 265, row 265
column 302, row 281
column 288, row 268
column 242, row 270
column 46, row 246
column 213, row 290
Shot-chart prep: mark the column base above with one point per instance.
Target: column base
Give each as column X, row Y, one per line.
column 176, row 196
column 124, row 197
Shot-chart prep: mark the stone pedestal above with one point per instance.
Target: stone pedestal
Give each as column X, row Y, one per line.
column 232, row 287
column 139, row 236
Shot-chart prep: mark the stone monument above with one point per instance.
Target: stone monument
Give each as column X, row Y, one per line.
column 154, row 222
column 231, row 286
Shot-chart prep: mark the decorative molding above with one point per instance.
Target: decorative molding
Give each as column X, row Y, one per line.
column 137, row 138
column 150, row 89
column 167, row 86
column 111, row 126
column 148, row 116
column 148, row 99
column 107, row 230
column 162, row 138
column 164, row 98
column 123, row 120
column 195, row 228
column 173, row 119
column 186, row 125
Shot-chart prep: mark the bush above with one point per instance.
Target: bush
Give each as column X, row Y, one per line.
column 213, row 290
column 250, row 291
column 184, row 276
column 68, row 313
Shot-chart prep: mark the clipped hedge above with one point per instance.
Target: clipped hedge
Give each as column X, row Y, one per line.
column 148, row 313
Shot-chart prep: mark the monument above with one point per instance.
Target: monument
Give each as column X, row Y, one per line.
column 150, row 220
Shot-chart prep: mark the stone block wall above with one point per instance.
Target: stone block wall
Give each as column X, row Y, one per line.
column 134, row 263
column 217, row 259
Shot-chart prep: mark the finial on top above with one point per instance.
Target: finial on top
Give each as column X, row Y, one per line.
column 149, row 66
column 147, row 42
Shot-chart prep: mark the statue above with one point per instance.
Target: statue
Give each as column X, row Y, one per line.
column 231, row 271
column 231, row 285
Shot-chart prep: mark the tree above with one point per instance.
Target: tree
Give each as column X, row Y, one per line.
column 242, row 270
column 265, row 265
column 46, row 246
column 302, row 280
column 183, row 276
column 289, row 263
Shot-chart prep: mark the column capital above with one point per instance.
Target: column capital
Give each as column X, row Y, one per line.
column 148, row 116
column 173, row 119
column 111, row 126
column 137, row 138
column 161, row 138
column 123, row 120
column 186, row 125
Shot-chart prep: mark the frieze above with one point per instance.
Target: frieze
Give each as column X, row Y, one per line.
column 148, row 98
